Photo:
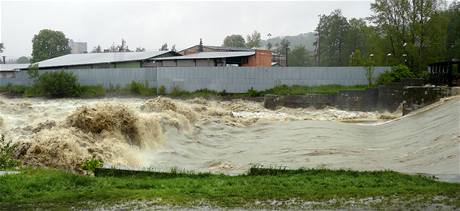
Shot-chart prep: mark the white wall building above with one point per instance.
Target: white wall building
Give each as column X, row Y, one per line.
column 78, row 47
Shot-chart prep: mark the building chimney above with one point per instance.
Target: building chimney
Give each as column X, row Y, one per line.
column 200, row 46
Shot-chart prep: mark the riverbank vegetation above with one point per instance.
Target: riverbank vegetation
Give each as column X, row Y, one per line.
column 139, row 89
column 258, row 187
column 7, row 160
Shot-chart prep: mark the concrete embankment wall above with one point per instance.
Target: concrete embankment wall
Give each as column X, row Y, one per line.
column 230, row 79
column 416, row 97
column 383, row 98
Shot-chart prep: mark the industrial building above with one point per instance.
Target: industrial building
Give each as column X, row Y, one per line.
column 105, row 60
column 195, row 56
column 208, row 48
column 254, row 58
column 208, row 56
column 9, row 70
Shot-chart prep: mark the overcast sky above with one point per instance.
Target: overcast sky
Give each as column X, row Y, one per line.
column 149, row 24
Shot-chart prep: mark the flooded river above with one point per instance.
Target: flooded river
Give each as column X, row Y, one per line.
column 229, row 136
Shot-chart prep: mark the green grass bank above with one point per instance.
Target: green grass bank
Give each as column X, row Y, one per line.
column 331, row 188
column 139, row 89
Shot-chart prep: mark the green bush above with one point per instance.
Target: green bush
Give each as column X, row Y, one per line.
column 397, row 74
column 33, row 91
column 59, row 84
column 203, row 93
column 177, row 91
column 162, row 90
column 254, row 93
column 6, row 154
column 92, row 164
column 223, row 93
column 140, row 89
column 16, row 90
column 280, row 90
column 303, row 90
column 92, row 91
column 135, row 87
column 118, row 90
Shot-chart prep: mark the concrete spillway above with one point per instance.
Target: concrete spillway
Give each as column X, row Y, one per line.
column 427, row 141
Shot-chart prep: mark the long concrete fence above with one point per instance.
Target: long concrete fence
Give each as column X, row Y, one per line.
column 230, row 79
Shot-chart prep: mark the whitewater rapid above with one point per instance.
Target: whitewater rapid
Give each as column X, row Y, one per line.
column 230, row 136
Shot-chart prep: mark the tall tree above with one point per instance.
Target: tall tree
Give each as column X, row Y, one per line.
column 140, row 49
column 269, row 45
column 123, row 47
column 332, row 31
column 435, row 40
column 253, row 40
column 22, row 60
column 363, row 40
column 453, row 32
column 283, row 46
column 164, row 47
column 1, row 47
column 317, row 43
column 113, row 48
column 48, row 44
column 355, row 37
column 356, row 58
column 235, row 41
column 405, row 24
column 299, row 57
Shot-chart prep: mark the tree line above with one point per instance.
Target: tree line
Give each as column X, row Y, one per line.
column 415, row 33
column 411, row 32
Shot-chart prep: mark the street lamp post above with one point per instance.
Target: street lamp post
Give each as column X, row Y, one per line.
column 405, row 53
column 387, row 58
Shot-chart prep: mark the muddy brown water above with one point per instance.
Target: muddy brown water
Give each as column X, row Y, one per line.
column 228, row 137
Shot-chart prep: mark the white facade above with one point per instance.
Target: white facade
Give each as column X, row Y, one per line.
column 78, row 47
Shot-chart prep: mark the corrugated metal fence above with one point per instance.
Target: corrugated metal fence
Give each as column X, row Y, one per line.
column 106, row 77
column 230, row 79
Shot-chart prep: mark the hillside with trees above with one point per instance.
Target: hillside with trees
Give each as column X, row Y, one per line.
column 304, row 39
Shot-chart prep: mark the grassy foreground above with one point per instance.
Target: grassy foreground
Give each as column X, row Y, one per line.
column 42, row 187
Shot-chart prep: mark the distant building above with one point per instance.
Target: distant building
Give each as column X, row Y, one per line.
column 279, row 59
column 105, row 60
column 207, row 48
column 204, row 55
column 254, row 58
column 78, row 47
column 9, row 70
